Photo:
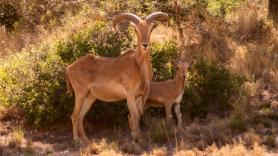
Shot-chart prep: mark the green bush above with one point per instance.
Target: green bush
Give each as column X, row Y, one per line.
column 161, row 56
column 109, row 114
column 222, row 7
column 210, row 88
column 97, row 38
column 34, row 79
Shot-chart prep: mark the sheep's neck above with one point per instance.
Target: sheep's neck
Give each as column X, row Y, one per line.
column 179, row 82
column 144, row 60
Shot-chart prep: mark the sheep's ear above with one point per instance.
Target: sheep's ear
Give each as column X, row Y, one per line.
column 191, row 64
column 173, row 62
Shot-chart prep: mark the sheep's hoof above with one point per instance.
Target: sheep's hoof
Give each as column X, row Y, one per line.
column 76, row 142
column 136, row 136
column 169, row 124
column 85, row 141
column 180, row 130
column 140, row 140
column 131, row 148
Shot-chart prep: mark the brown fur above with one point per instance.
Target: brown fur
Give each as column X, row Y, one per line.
column 166, row 93
column 113, row 79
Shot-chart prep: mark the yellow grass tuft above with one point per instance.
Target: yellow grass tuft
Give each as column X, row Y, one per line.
column 159, row 152
column 252, row 138
column 131, row 147
column 2, row 108
column 98, row 147
column 237, row 149
column 18, row 135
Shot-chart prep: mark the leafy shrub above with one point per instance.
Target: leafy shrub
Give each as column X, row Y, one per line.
column 210, row 88
column 110, row 114
column 222, row 7
column 34, row 79
column 35, row 82
column 161, row 56
column 8, row 15
column 97, row 38
column 238, row 124
column 37, row 12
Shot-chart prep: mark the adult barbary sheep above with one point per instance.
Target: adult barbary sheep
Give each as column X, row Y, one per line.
column 112, row 79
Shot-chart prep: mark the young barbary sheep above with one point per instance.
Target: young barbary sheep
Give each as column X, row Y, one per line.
column 169, row 92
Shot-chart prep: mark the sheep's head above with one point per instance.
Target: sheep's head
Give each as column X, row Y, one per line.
column 182, row 69
column 143, row 28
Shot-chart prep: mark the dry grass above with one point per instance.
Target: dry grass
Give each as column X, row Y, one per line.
column 44, row 20
column 160, row 131
column 251, row 51
column 101, row 147
column 255, row 48
column 203, row 133
column 2, row 108
column 214, row 46
column 8, row 42
column 250, row 21
column 250, row 27
column 18, row 135
column 131, row 147
column 259, row 63
column 211, row 136
column 236, row 149
column 157, row 152
column 251, row 138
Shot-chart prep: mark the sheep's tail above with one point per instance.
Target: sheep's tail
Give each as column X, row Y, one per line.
column 69, row 86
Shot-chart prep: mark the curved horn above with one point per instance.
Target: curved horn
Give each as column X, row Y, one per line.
column 126, row 16
column 155, row 16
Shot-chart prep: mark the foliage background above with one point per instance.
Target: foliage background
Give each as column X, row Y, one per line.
column 234, row 52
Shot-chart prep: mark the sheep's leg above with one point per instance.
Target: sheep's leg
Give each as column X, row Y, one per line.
column 179, row 115
column 74, row 116
column 168, row 109
column 129, row 120
column 134, row 117
column 87, row 104
column 140, row 105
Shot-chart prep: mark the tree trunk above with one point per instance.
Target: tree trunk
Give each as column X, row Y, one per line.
column 273, row 10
